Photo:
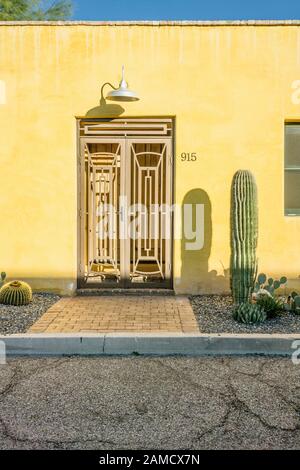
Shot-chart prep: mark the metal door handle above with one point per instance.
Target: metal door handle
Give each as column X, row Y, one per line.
column 121, row 213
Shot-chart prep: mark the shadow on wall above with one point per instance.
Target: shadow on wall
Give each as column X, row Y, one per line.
column 195, row 276
column 105, row 110
column 52, row 285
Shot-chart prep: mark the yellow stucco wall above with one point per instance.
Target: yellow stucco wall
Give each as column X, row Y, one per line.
column 230, row 89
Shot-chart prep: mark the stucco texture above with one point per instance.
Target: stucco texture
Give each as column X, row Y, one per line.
column 230, row 89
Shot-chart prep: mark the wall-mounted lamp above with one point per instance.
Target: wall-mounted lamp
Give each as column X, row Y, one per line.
column 122, row 93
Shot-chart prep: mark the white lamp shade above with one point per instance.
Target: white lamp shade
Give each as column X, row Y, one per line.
column 122, row 93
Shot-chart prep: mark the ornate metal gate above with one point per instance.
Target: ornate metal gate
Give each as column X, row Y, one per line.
column 125, row 202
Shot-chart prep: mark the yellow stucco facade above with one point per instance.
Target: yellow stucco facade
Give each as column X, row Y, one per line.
column 231, row 89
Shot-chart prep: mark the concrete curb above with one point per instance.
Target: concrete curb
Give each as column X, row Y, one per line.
column 193, row 344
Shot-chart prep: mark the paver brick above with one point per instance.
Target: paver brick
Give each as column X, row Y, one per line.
column 108, row 314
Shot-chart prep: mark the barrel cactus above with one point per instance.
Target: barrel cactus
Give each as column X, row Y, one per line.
column 244, row 233
column 249, row 313
column 15, row 293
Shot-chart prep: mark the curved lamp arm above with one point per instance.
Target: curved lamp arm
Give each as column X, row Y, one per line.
column 102, row 88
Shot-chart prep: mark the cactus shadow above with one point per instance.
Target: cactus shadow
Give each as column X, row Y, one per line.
column 195, row 275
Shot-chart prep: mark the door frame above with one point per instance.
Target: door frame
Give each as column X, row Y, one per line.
column 81, row 283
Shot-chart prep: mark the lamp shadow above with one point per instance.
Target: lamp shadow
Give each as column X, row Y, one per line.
column 195, row 275
column 105, row 110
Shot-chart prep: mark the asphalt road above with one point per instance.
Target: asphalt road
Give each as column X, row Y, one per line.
column 143, row 403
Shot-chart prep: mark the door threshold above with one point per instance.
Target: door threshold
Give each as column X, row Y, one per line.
column 103, row 291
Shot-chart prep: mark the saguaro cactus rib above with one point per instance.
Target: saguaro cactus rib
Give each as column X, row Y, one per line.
column 244, row 233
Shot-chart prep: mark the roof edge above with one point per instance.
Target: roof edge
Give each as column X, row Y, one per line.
column 155, row 23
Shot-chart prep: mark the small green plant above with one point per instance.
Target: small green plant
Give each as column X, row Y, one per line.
column 296, row 305
column 268, row 284
column 271, row 305
column 15, row 293
column 2, row 278
column 249, row 313
column 290, row 305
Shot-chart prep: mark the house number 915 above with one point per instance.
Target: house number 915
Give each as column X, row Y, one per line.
column 188, row 157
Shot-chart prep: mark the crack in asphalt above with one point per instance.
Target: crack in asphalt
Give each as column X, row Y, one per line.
column 236, row 400
column 231, row 401
column 219, row 425
column 246, row 407
column 8, row 434
column 232, row 369
column 231, row 405
column 257, row 376
column 186, row 379
column 18, row 376
column 11, row 384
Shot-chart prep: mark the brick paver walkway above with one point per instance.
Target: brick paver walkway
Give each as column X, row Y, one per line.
column 107, row 314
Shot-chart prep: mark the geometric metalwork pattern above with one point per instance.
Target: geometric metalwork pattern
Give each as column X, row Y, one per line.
column 126, row 203
column 129, row 127
column 102, row 170
column 150, row 243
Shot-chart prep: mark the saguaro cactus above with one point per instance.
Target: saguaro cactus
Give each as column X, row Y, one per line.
column 244, row 232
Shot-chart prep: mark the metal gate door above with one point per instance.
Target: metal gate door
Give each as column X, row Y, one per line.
column 126, row 205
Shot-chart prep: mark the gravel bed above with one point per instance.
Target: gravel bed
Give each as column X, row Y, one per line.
column 214, row 315
column 19, row 319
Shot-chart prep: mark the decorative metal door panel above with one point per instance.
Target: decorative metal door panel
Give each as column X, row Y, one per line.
column 148, row 188
column 125, row 211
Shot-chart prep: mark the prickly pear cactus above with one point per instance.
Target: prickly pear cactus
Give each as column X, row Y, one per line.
column 244, row 233
column 15, row 293
column 268, row 284
column 249, row 313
